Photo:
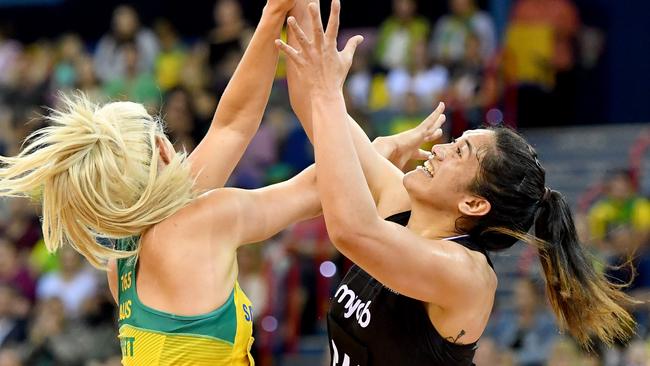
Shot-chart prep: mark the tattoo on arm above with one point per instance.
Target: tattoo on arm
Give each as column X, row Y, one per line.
column 452, row 340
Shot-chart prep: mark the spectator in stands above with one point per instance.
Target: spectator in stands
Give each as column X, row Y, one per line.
column 52, row 339
column 12, row 326
column 359, row 81
column 540, row 56
column 172, row 55
column 196, row 75
column 529, row 330
column 427, row 82
column 205, row 103
column 399, row 33
column 69, row 51
column 409, row 116
column 231, row 33
column 620, row 208
column 635, row 274
column 73, row 283
column 448, row 44
column 473, row 89
column 178, row 112
column 27, row 81
column 7, row 144
column 96, row 328
column 224, row 71
column 9, row 52
column 134, row 85
column 14, row 271
column 87, row 79
column 261, row 154
column 110, row 62
column 24, row 228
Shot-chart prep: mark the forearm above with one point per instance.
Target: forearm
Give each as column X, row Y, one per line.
column 346, row 200
column 368, row 153
column 275, row 207
column 244, row 100
column 300, row 101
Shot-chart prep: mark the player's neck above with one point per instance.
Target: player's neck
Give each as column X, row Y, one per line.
column 431, row 223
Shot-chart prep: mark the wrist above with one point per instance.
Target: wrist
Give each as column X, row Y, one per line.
column 326, row 93
column 275, row 11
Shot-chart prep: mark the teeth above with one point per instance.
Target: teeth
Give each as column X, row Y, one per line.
column 427, row 168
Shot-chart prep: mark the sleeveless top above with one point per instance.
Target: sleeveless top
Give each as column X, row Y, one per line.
column 370, row 324
column 151, row 337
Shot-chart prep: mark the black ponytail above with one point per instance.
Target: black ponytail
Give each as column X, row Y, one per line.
column 512, row 179
column 583, row 300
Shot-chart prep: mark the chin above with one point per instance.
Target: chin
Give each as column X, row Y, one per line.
column 415, row 181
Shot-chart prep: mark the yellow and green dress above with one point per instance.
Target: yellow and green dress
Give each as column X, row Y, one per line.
column 151, row 337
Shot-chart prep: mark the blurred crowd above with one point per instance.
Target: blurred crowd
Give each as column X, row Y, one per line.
column 55, row 310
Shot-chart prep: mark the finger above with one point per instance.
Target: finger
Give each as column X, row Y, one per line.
column 333, row 24
column 434, row 119
column 351, row 47
column 298, row 32
column 422, row 155
column 436, row 134
column 317, row 24
column 291, row 52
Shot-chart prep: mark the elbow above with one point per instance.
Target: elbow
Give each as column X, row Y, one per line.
column 341, row 239
column 344, row 236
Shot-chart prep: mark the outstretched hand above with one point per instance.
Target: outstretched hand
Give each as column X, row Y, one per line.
column 405, row 146
column 318, row 59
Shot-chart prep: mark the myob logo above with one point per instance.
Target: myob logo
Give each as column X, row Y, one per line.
column 353, row 305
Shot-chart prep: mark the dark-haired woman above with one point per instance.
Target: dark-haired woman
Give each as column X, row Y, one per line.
column 424, row 286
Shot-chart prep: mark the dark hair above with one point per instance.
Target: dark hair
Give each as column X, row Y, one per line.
column 512, row 179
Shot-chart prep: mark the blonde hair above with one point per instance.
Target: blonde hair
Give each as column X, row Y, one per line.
column 96, row 171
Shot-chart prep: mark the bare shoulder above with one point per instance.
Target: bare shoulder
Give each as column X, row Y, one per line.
column 481, row 275
column 204, row 221
column 209, row 214
column 471, row 269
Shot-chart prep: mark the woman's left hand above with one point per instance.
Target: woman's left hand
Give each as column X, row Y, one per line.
column 406, row 145
column 318, row 60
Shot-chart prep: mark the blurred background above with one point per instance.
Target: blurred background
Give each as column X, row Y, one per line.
column 572, row 75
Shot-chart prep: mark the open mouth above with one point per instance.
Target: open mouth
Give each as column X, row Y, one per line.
column 428, row 169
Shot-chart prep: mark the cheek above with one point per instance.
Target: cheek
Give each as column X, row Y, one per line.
column 449, row 179
column 460, row 183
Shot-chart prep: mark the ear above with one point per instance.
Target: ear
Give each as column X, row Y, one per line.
column 163, row 150
column 474, row 206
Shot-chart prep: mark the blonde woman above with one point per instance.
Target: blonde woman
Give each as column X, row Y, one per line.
column 108, row 174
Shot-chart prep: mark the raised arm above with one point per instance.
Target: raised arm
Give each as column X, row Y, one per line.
column 273, row 208
column 242, row 105
column 353, row 222
column 384, row 179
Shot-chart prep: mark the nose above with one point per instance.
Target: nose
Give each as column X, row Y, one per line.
column 439, row 152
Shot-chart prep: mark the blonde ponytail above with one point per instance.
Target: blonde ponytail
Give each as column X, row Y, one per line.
column 96, row 172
